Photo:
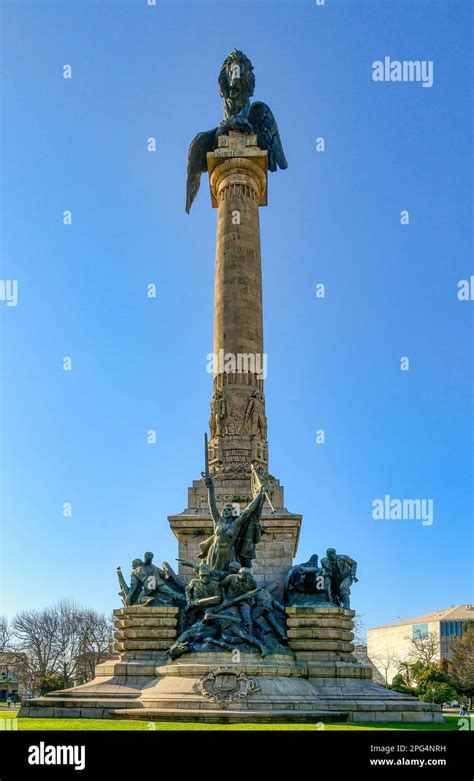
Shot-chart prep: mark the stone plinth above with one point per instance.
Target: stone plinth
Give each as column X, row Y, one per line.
column 318, row 633
column 321, row 639
column 144, row 632
column 198, row 687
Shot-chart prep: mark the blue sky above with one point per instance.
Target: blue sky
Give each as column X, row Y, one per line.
column 333, row 218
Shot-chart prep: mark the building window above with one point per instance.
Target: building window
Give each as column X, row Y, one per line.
column 452, row 628
column 420, row 631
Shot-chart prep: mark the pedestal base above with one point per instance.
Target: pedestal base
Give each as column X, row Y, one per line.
column 229, row 687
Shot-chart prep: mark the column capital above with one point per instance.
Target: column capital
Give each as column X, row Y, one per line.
column 238, row 160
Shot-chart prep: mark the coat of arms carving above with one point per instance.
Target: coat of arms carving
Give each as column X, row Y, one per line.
column 225, row 686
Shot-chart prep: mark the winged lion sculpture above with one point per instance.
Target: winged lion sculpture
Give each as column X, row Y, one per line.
column 236, row 85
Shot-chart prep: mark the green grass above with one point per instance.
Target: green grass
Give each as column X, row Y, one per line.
column 104, row 724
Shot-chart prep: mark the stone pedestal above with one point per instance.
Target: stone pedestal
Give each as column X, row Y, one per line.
column 317, row 680
column 321, row 633
column 321, row 639
column 144, row 632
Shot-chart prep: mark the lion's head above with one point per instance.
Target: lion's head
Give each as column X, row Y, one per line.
column 236, row 78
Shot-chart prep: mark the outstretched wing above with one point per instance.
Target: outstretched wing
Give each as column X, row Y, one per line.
column 197, row 162
column 268, row 137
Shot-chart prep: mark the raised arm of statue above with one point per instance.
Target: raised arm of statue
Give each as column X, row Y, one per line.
column 212, row 499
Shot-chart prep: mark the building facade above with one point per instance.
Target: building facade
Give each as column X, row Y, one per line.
column 391, row 644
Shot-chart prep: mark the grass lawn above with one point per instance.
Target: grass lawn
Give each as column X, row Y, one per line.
column 105, row 724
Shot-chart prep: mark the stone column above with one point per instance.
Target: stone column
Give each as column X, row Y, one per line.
column 238, row 425
column 238, row 181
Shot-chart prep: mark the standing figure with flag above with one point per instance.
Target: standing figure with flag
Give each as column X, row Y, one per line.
column 235, row 536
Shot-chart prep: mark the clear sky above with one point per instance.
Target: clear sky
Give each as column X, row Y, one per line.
column 333, row 218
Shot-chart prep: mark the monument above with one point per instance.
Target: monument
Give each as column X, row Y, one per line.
column 239, row 633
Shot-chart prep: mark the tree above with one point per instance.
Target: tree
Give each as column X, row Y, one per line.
column 4, row 635
column 56, row 640
column 424, row 649
column 97, row 644
column 438, row 692
column 405, row 671
column 427, row 676
column 399, row 685
column 48, row 683
column 385, row 661
column 461, row 663
column 34, row 636
column 359, row 629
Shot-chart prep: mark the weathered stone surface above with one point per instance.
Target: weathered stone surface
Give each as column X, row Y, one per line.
column 344, row 671
column 319, row 633
column 323, row 656
column 144, row 645
column 140, row 611
column 148, row 633
column 318, row 612
column 144, row 632
column 335, row 623
column 159, row 657
column 321, row 645
column 131, row 622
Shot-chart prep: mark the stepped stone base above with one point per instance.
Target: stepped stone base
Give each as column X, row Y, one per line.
column 321, row 638
column 328, row 685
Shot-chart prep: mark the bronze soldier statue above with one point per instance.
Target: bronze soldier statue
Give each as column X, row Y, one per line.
column 339, row 572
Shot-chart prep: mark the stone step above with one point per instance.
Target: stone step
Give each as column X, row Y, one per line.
column 321, row 645
column 145, row 633
column 143, row 645
column 318, row 612
column 307, row 633
column 229, row 716
column 141, row 611
column 76, row 695
column 132, row 622
column 329, row 623
column 77, row 707
column 324, row 656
